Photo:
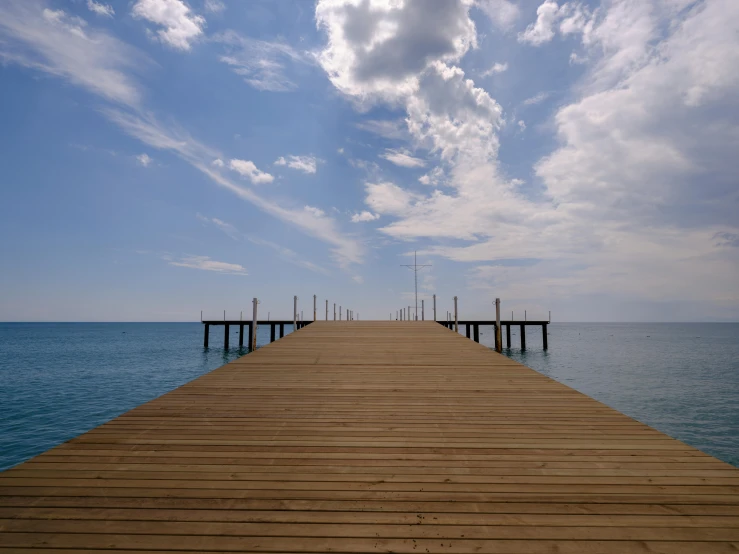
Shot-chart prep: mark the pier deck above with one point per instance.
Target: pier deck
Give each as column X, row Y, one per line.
column 372, row 437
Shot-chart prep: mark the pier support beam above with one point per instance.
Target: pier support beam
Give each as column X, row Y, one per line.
column 255, row 325
column 205, row 336
column 476, row 330
column 544, row 336
column 272, row 333
column 468, row 330
column 241, row 335
column 508, row 336
column 282, row 330
column 250, row 338
column 225, row 336
column 497, row 338
column 523, row 337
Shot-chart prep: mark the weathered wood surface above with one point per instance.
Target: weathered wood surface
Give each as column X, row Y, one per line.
column 372, row 437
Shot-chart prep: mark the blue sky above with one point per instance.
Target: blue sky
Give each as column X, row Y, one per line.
column 162, row 157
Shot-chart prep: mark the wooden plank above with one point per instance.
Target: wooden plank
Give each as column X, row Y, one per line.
column 372, row 436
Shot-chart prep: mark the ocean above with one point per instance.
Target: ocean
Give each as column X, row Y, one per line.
column 58, row 380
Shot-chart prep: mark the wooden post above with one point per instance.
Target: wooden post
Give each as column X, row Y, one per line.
column 434, row 307
column 468, row 330
column 314, row 307
column 476, row 332
column 334, row 311
column 339, row 313
column 544, row 336
column 423, row 315
column 456, row 317
column 205, row 336
column 255, row 323
column 495, row 333
column 326, row 310
column 272, row 332
column 498, row 338
column 225, row 336
column 508, row 336
column 250, row 338
column 295, row 313
column 282, row 330
column 523, row 337
column 241, row 335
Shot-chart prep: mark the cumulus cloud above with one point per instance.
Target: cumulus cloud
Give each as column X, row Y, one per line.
column 97, row 8
column 502, row 13
column 247, row 169
column 388, row 198
column 306, row 164
column 378, row 49
column 402, row 157
column 179, row 26
column 570, row 18
column 205, row 263
column 364, row 216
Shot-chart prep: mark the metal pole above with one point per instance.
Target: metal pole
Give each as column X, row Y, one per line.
column 295, row 313
column 456, row 318
column 334, row 311
column 326, row 310
column 254, row 327
column 422, row 312
column 314, row 307
column 410, row 314
column 434, row 307
column 498, row 335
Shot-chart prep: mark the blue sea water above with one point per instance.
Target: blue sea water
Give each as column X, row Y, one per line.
column 58, row 380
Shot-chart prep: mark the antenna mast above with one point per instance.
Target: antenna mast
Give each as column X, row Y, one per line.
column 415, row 267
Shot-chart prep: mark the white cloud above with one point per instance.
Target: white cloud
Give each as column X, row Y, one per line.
column 144, row 160
column 402, row 158
column 391, row 129
column 247, row 169
column 541, row 31
column 497, row 68
column 522, row 125
column 53, row 42
column 263, row 65
column 218, row 162
column 317, row 212
column 227, row 228
column 214, row 6
column 97, row 8
column 502, row 13
column 388, row 198
column 433, row 177
column 364, row 216
column 306, row 164
column 206, row 264
column 377, row 50
column 537, row 99
column 180, row 27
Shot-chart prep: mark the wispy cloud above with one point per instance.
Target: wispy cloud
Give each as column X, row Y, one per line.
column 536, row 99
column 144, row 160
column 497, row 68
column 364, row 216
column 388, row 128
column 306, row 164
column 65, row 46
column 402, row 157
column 179, row 26
column 206, row 264
column 262, row 64
column 214, row 6
column 106, row 10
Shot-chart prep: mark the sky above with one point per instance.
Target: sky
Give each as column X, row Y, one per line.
column 163, row 157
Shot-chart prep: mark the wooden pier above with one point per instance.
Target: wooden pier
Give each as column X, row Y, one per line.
column 372, row 437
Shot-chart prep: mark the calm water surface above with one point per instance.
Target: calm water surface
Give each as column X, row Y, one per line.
column 58, row 380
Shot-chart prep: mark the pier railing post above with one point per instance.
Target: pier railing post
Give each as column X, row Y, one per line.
column 314, row 308
column 334, row 311
column 434, row 307
column 272, row 332
column 544, row 336
column 326, row 310
column 255, row 323
column 523, row 337
column 225, row 336
column 295, row 313
column 339, row 313
column 508, row 335
column 456, row 316
column 423, row 317
column 498, row 337
column 241, row 335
